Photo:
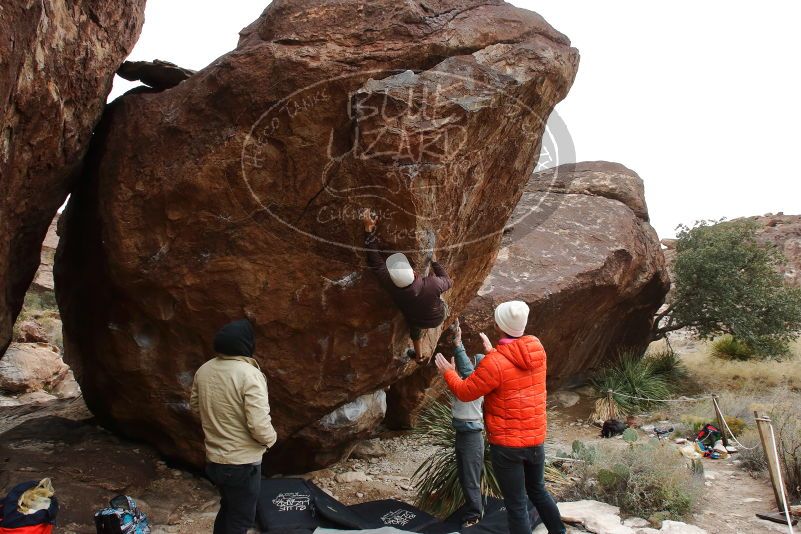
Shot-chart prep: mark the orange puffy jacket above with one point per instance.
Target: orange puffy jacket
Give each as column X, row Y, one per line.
column 511, row 378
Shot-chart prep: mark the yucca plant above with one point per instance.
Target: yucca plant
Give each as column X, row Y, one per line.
column 436, row 480
column 667, row 364
column 728, row 348
column 633, row 376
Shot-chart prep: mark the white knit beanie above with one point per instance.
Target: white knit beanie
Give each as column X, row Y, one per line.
column 400, row 271
column 512, row 317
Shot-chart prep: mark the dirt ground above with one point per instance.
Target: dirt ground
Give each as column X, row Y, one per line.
column 89, row 466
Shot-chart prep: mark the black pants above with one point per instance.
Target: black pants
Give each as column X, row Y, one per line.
column 239, row 487
column 520, row 472
column 469, row 466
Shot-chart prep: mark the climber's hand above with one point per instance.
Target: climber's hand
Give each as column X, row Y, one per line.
column 485, row 340
column 457, row 335
column 444, row 365
column 370, row 220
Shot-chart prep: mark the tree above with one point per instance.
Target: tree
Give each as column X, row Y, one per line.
column 727, row 283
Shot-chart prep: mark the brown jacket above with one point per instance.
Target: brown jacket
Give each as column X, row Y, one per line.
column 420, row 302
column 230, row 394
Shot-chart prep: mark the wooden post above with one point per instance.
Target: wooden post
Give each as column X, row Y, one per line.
column 721, row 422
column 772, row 458
column 611, row 401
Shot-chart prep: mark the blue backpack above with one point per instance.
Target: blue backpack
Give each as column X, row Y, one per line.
column 121, row 517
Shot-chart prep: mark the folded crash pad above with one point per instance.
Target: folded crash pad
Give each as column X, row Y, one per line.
column 393, row 513
column 293, row 504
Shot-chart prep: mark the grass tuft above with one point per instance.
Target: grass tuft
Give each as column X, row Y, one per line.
column 728, row 348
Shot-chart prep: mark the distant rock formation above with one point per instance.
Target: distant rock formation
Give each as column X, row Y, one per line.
column 57, row 61
column 43, row 281
column 591, row 269
column 779, row 230
column 784, row 232
column 237, row 192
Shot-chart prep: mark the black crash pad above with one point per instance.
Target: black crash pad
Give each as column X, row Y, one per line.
column 493, row 522
column 393, row 513
column 295, row 505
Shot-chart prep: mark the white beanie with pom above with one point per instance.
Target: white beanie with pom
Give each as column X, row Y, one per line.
column 512, row 317
column 400, row 271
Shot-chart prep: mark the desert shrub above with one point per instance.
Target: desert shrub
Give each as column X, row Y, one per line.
column 788, row 437
column 642, row 479
column 728, row 348
column 736, row 425
column 667, row 364
column 634, row 376
column 751, row 456
column 580, row 451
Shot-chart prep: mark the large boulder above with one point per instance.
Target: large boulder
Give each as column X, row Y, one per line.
column 236, row 193
column 31, row 367
column 581, row 253
column 57, row 61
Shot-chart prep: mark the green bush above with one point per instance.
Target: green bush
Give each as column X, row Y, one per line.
column 436, row 480
column 667, row 364
column 636, row 376
column 643, row 479
column 728, row 348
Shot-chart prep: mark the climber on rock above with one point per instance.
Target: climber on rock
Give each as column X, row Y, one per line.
column 417, row 297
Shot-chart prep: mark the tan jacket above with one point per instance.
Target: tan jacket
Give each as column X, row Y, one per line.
column 230, row 394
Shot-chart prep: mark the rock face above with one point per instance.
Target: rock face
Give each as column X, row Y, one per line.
column 157, row 74
column 331, row 438
column 581, row 253
column 236, row 193
column 30, row 367
column 43, row 281
column 784, row 232
column 57, row 60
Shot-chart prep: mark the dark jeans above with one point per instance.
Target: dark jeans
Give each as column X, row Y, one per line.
column 521, row 476
column 239, row 487
column 469, row 466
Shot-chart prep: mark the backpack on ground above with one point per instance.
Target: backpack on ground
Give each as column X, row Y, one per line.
column 612, row 427
column 708, row 435
column 121, row 517
column 15, row 518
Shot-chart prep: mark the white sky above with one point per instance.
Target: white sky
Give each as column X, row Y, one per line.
column 702, row 99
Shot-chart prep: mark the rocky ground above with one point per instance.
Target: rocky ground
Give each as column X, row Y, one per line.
column 43, row 435
column 89, row 466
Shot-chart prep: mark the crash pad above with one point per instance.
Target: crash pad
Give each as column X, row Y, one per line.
column 394, row 513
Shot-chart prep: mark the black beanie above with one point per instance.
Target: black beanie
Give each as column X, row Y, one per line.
column 235, row 339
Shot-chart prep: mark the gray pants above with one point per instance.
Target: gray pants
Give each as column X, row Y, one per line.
column 469, row 466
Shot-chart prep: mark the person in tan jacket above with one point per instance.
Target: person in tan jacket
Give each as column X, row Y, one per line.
column 230, row 394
